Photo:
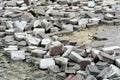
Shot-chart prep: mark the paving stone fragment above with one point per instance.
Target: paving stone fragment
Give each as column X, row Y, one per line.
column 38, row 30
column 69, row 77
column 78, row 77
column 11, row 48
column 18, row 55
column 101, row 65
column 2, row 28
column 90, row 77
column 41, row 10
column 53, row 69
column 1, row 12
column 68, row 27
column 108, row 16
column 10, row 31
column 93, row 70
column 63, row 62
column 67, row 52
column 92, row 24
column 19, row 36
column 32, row 40
column 38, row 53
column 103, row 73
column 75, row 57
column 61, row 75
column 22, row 43
column 84, row 63
column 56, row 50
column 46, row 41
column 110, row 48
column 91, row 4
column 111, row 72
column 117, row 22
column 82, row 22
column 2, row 34
column 21, row 24
column 107, row 22
column 45, row 63
column 89, row 15
column 108, row 2
column 70, row 70
column 107, row 57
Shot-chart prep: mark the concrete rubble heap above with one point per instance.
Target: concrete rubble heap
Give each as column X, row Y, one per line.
column 31, row 29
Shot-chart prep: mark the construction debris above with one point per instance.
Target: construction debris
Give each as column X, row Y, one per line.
column 33, row 30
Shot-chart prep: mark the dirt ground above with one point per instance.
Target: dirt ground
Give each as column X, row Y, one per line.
column 19, row 70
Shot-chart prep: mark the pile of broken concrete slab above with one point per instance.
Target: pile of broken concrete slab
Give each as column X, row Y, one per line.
column 30, row 28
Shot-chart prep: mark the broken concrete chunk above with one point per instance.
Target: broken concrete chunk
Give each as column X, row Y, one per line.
column 36, row 23
column 114, row 72
column 19, row 36
column 30, row 48
column 2, row 28
column 110, row 72
column 46, row 41
column 103, row 74
column 78, row 77
column 75, row 57
column 11, row 48
column 84, row 63
column 108, row 16
column 116, row 22
column 38, row 53
column 91, row 4
column 38, row 30
column 107, row 22
column 21, row 24
column 89, row 15
column 1, row 12
column 92, row 24
column 63, row 62
column 41, row 10
column 22, row 43
column 90, row 77
column 10, row 31
column 32, row 40
column 18, row 55
column 56, row 50
column 68, row 27
column 61, row 75
column 110, row 48
column 70, row 70
column 107, row 57
column 11, row 3
column 67, row 52
column 45, row 63
column 54, row 69
column 82, row 22
column 101, row 65
column 108, row 2
column 2, row 34
column 93, row 70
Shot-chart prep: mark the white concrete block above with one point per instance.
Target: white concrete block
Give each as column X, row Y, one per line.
column 45, row 63
column 18, row 55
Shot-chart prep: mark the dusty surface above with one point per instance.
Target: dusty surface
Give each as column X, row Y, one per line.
column 85, row 36
column 18, row 70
